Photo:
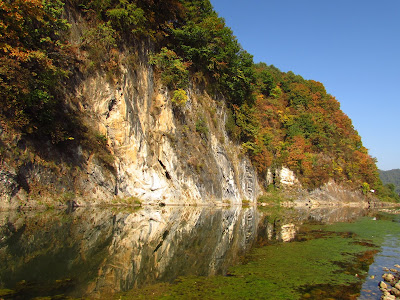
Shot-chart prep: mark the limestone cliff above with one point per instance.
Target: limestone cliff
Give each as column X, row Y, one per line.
column 154, row 149
column 131, row 142
column 159, row 155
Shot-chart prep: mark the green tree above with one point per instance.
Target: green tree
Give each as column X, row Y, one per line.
column 213, row 49
column 180, row 97
column 174, row 71
column 127, row 16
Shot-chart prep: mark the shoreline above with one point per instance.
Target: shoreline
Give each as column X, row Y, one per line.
column 284, row 204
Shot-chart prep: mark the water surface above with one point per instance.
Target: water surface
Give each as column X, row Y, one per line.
column 181, row 252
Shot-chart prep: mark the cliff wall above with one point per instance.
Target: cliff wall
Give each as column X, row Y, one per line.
column 160, row 155
column 133, row 143
column 153, row 149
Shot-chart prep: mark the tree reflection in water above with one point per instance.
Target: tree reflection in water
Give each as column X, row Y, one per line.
column 93, row 252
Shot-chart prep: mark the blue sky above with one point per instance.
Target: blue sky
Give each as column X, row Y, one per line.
column 351, row 46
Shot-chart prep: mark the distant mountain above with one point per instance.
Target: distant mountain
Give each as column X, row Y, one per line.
column 391, row 176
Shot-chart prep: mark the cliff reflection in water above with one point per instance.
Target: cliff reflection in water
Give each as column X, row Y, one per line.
column 88, row 252
column 96, row 252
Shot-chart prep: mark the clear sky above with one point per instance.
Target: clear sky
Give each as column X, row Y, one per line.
column 351, row 46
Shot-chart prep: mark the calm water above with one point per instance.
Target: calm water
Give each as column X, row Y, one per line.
column 97, row 253
column 388, row 256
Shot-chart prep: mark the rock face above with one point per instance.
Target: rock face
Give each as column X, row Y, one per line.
column 283, row 177
column 287, row 177
column 332, row 194
column 159, row 156
column 156, row 152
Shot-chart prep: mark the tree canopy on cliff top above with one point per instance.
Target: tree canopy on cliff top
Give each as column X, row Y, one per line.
column 280, row 118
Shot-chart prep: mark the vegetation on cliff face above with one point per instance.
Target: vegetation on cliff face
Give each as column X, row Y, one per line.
column 280, row 118
column 34, row 60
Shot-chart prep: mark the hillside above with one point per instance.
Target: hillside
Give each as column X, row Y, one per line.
column 157, row 100
column 391, row 176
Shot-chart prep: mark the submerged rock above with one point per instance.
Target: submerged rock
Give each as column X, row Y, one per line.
column 383, row 285
column 392, row 291
column 388, row 277
column 395, row 292
column 388, row 297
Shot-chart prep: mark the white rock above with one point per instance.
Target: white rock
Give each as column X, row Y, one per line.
column 287, row 177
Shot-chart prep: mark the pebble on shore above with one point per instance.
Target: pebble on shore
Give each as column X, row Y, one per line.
column 390, row 287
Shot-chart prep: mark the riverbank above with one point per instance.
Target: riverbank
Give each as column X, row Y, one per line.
column 329, row 195
column 266, row 201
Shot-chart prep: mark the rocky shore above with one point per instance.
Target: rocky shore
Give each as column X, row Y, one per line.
column 390, row 287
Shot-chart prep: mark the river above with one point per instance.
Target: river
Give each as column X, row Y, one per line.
column 196, row 253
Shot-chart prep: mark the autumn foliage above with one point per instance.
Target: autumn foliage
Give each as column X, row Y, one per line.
column 303, row 128
column 279, row 118
column 33, row 62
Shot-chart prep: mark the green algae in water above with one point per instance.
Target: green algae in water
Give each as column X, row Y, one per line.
column 272, row 272
column 370, row 229
column 334, row 258
column 6, row 292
